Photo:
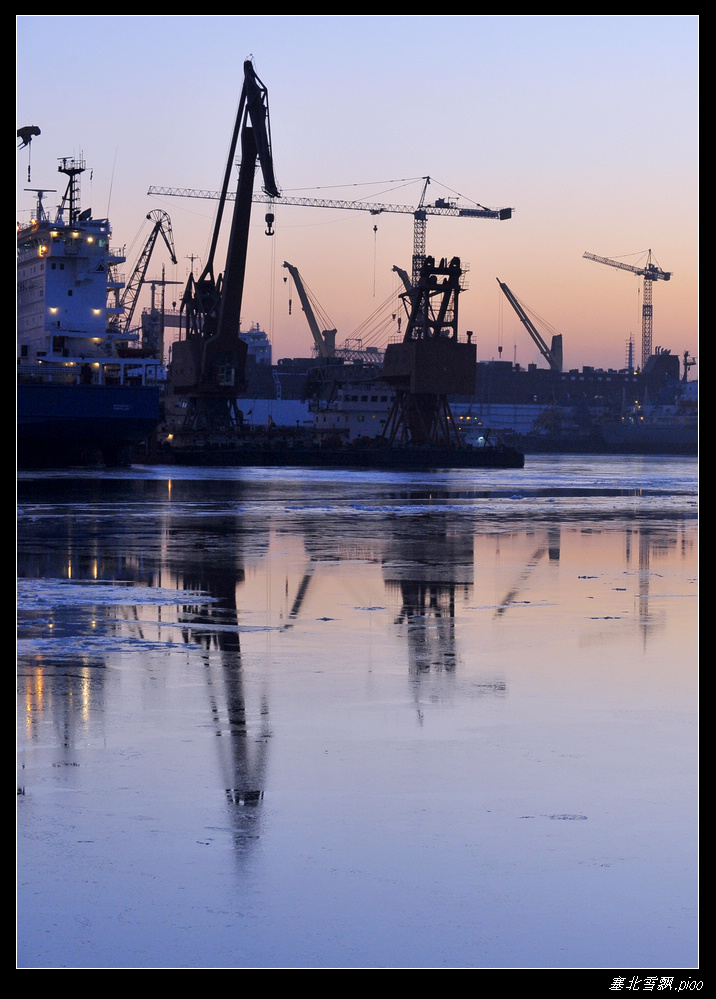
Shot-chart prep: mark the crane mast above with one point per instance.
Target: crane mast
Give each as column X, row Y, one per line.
column 208, row 366
column 650, row 272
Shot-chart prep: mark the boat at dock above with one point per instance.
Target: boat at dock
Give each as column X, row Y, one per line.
column 285, row 447
column 60, row 424
column 87, row 389
column 666, row 429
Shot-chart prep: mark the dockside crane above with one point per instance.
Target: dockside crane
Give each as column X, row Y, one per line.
column 431, row 362
column 553, row 354
column 408, row 295
column 650, row 272
column 325, row 340
column 162, row 225
column 441, row 206
column 689, row 362
column 208, row 367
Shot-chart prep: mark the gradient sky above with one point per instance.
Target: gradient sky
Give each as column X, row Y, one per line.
column 586, row 125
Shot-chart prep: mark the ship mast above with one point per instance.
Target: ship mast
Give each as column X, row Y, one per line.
column 73, row 169
column 40, row 213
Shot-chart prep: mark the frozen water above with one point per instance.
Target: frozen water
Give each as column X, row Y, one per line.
column 284, row 718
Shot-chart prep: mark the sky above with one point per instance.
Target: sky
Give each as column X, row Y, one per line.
column 585, row 125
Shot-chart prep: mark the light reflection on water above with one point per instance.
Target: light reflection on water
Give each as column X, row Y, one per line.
column 332, row 717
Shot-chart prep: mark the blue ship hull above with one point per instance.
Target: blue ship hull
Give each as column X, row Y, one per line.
column 61, row 423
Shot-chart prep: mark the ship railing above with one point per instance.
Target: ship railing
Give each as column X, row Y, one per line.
column 58, row 374
column 92, row 371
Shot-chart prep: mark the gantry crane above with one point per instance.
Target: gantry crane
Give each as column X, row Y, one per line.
column 128, row 300
column 208, row 367
column 650, row 272
column 420, row 214
column 553, row 354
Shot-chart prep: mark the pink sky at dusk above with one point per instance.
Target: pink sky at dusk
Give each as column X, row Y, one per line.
column 586, row 125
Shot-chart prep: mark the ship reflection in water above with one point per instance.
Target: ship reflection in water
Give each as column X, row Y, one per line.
column 283, row 718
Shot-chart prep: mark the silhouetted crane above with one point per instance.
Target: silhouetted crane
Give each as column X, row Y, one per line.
column 553, row 354
column 650, row 272
column 441, row 206
column 162, row 225
column 26, row 134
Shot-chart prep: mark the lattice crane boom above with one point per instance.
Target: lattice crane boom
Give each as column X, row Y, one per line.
column 162, row 226
column 650, row 272
column 440, row 206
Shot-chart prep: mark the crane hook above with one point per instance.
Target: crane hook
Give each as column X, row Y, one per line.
column 269, row 223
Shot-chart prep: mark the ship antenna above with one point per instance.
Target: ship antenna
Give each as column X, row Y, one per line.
column 40, row 192
column 111, row 183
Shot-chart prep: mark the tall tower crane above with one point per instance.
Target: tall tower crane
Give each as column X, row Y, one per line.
column 420, row 214
column 650, row 272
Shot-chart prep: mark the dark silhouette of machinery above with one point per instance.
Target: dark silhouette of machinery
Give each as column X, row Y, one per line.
column 26, row 134
column 122, row 321
column 553, row 354
column 208, row 366
column 324, row 340
column 431, row 362
column 650, row 272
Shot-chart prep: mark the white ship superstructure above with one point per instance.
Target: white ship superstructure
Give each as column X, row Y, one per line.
column 68, row 292
column 84, row 387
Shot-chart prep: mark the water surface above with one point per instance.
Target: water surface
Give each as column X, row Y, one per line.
column 294, row 718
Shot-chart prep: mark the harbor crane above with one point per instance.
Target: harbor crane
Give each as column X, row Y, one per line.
column 325, row 340
column 208, row 367
column 650, row 272
column 430, row 363
column 162, row 225
column 410, row 288
column 441, row 206
column 689, row 362
column 26, row 134
column 553, row 354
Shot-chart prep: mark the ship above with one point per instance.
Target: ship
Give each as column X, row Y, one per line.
column 355, row 458
column 88, row 389
column 658, row 429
